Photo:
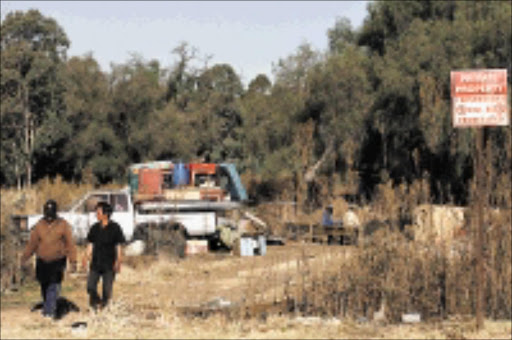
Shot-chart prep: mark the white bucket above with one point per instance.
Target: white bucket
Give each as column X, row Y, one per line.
column 246, row 246
column 411, row 318
column 135, row 248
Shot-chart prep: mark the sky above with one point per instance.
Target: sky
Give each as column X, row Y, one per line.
column 250, row 36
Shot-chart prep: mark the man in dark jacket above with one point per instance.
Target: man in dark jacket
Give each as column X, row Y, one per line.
column 104, row 253
column 51, row 239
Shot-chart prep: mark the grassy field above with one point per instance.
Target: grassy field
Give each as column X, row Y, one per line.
column 295, row 291
column 151, row 297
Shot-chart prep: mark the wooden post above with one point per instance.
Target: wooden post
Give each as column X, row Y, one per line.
column 480, row 99
column 479, row 235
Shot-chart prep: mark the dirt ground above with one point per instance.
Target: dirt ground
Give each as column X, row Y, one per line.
column 157, row 298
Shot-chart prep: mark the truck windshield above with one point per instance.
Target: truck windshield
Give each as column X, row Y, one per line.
column 119, row 202
column 89, row 204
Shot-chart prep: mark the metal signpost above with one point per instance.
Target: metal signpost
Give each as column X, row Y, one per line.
column 479, row 99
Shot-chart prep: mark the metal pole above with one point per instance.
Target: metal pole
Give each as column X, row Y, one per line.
column 479, row 235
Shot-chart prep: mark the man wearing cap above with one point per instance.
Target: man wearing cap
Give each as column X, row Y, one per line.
column 52, row 241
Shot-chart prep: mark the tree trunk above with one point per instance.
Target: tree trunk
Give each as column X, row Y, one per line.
column 17, row 174
column 28, row 137
column 310, row 174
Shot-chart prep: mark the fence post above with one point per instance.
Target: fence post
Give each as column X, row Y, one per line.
column 479, row 234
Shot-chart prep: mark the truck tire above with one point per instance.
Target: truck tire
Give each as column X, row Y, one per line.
column 166, row 238
column 179, row 241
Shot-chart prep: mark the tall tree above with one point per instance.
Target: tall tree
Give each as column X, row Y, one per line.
column 33, row 48
column 87, row 103
column 182, row 78
column 217, row 111
column 341, row 36
column 256, row 113
column 136, row 91
column 338, row 103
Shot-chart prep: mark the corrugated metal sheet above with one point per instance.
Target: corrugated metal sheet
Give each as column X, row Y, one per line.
column 203, row 168
column 150, row 181
column 152, row 165
column 237, row 189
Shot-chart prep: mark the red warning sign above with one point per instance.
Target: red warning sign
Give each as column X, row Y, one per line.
column 479, row 98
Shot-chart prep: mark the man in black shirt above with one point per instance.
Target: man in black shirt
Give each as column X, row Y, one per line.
column 104, row 253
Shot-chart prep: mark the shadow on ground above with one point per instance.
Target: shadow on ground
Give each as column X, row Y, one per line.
column 64, row 306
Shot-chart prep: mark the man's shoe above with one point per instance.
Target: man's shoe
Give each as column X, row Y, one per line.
column 49, row 316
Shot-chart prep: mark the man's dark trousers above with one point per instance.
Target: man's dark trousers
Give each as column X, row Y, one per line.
column 49, row 275
column 107, row 278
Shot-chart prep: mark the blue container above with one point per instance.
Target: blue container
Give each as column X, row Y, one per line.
column 181, row 175
column 246, row 246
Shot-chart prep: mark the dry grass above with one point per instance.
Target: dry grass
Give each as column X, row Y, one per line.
column 296, row 291
column 149, row 292
column 436, row 280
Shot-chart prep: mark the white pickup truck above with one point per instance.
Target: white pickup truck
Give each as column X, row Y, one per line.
column 156, row 223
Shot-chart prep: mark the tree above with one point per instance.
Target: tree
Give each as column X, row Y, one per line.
column 33, row 48
column 341, row 36
column 292, row 72
column 136, row 90
column 256, row 114
column 103, row 152
column 261, row 84
column 338, row 103
column 182, row 78
column 217, row 112
column 270, row 115
column 87, row 103
column 170, row 133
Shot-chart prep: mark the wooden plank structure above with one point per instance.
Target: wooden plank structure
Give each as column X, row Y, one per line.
column 318, row 233
column 332, row 234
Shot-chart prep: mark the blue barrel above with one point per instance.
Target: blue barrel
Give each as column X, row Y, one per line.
column 181, row 175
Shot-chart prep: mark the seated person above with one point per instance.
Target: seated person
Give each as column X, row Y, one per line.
column 327, row 217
